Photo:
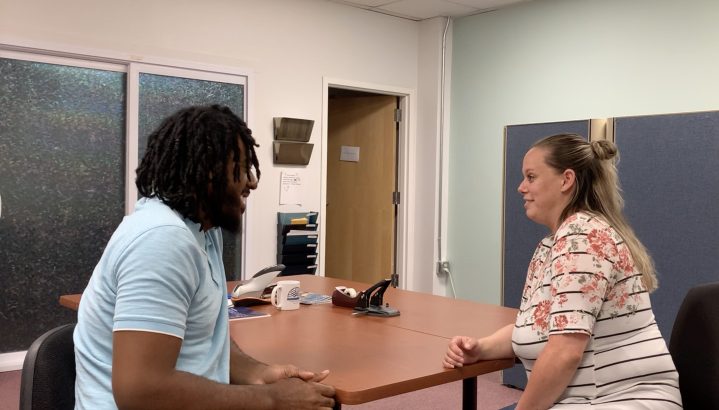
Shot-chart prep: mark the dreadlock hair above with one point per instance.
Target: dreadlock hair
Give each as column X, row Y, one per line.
column 189, row 151
column 597, row 189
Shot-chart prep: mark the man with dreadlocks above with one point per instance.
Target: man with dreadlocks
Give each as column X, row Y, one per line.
column 152, row 327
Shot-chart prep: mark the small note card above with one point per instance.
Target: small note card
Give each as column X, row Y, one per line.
column 349, row 153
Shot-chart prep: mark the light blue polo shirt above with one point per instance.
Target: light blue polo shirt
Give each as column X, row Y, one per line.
column 159, row 273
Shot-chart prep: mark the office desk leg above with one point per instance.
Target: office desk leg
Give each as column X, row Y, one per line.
column 469, row 393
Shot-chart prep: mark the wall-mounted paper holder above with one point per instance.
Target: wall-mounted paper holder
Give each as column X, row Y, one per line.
column 293, row 129
column 291, row 136
column 294, row 153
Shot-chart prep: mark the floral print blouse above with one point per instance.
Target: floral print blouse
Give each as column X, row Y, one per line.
column 582, row 279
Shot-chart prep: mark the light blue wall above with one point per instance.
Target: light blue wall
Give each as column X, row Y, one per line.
column 556, row 60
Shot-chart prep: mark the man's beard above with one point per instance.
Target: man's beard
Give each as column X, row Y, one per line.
column 227, row 217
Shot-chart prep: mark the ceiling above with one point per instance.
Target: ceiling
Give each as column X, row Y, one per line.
column 426, row 9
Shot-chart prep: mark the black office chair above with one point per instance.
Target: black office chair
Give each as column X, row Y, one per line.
column 694, row 347
column 48, row 373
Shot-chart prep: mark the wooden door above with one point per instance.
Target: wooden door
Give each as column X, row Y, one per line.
column 360, row 226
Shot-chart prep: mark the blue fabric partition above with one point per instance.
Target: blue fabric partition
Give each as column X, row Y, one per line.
column 671, row 188
column 521, row 235
column 668, row 169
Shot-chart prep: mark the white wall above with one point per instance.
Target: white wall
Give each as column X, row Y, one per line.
column 554, row 60
column 288, row 46
column 428, row 153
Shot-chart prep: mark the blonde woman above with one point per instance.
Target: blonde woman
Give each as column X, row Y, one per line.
column 585, row 330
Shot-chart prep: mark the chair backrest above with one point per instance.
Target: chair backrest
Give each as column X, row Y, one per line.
column 48, row 373
column 694, row 347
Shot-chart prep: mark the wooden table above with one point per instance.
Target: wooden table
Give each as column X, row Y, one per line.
column 370, row 358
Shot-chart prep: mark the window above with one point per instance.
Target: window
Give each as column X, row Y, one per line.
column 69, row 136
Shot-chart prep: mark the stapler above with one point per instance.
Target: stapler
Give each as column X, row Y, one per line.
column 260, row 280
column 370, row 301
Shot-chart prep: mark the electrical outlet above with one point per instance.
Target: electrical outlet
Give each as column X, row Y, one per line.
column 442, row 268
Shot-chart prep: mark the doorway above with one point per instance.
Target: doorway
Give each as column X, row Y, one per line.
column 362, row 185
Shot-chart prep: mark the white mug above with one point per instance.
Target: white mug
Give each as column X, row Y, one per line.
column 286, row 295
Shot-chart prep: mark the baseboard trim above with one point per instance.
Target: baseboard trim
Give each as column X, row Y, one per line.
column 11, row 361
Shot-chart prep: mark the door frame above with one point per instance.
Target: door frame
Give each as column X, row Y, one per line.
column 405, row 171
